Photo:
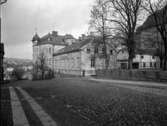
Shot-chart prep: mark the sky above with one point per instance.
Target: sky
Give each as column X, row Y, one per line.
column 21, row 18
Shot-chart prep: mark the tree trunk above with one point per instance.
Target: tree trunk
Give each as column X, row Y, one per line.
column 130, row 63
column 165, row 56
column 42, row 75
column 165, row 64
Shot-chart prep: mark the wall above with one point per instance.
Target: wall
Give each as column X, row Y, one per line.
column 69, row 63
column 86, row 56
column 149, row 75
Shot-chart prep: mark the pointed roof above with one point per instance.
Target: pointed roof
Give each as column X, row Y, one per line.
column 53, row 39
column 35, row 37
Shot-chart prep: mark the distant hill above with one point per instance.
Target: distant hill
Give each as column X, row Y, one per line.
column 11, row 62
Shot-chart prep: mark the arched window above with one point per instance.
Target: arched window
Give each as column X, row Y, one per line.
column 50, row 50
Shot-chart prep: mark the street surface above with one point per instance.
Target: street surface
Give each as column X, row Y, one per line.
column 90, row 102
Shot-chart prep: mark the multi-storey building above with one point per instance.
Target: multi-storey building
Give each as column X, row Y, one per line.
column 64, row 54
column 149, row 45
column 144, row 59
column 50, row 44
column 82, row 58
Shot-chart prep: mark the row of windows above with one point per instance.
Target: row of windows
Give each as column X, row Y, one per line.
column 142, row 57
column 151, row 64
column 96, row 51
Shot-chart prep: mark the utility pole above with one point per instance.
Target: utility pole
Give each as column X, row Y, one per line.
column 1, row 46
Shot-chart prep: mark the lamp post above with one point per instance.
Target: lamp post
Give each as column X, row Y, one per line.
column 1, row 45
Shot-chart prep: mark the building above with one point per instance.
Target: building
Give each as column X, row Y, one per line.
column 75, row 59
column 82, row 58
column 144, row 59
column 50, row 44
column 65, row 54
column 149, row 45
column 149, row 36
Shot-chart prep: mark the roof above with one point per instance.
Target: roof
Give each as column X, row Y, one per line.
column 73, row 47
column 148, row 51
column 35, row 37
column 52, row 38
column 150, row 21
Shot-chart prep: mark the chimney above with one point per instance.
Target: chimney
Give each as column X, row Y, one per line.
column 55, row 33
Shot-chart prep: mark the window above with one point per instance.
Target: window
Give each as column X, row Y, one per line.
column 151, row 65
column 96, row 50
column 103, row 50
column 88, row 50
column 141, row 56
column 155, row 65
column 92, row 62
column 50, row 50
column 111, row 52
column 144, row 64
column 153, row 57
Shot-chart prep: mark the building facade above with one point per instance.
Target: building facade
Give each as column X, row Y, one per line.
column 50, row 44
column 81, row 58
column 142, row 60
column 66, row 55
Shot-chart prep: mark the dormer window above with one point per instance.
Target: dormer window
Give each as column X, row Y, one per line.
column 49, row 39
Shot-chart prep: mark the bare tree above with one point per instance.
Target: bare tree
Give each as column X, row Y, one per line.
column 40, row 66
column 158, row 10
column 98, row 21
column 125, row 15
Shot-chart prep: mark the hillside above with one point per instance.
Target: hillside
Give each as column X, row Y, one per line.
column 10, row 62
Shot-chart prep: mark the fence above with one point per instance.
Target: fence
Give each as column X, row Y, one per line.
column 151, row 75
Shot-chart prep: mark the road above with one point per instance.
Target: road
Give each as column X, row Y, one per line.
column 85, row 102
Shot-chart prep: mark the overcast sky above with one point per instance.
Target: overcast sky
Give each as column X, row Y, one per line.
column 20, row 18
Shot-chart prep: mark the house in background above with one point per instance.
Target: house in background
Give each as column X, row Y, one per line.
column 149, row 44
column 144, row 59
column 149, row 38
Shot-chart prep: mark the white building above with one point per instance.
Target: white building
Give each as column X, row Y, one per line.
column 144, row 59
column 75, row 59
column 50, row 44
column 66, row 55
column 83, row 58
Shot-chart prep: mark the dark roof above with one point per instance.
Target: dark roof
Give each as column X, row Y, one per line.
column 58, row 40
column 150, row 21
column 148, row 51
column 73, row 47
column 52, row 38
column 35, row 37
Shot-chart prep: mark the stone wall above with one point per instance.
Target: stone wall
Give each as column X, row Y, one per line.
column 69, row 63
column 150, row 75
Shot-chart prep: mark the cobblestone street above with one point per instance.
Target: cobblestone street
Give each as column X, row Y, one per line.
column 82, row 101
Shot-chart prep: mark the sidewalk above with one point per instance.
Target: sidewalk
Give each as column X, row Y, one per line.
column 129, row 82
